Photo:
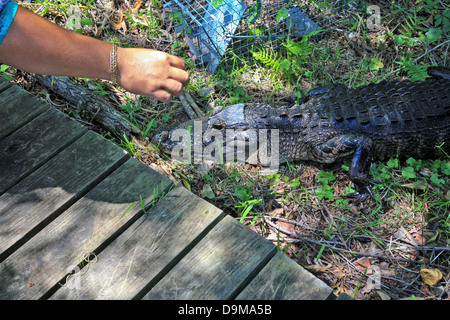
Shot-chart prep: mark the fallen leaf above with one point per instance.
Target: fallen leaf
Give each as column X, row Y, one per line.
column 403, row 235
column 317, row 268
column 431, row 277
column 207, row 192
column 419, row 238
column 362, row 264
column 279, row 189
column 286, row 226
column 137, row 5
column 117, row 24
column 418, row 185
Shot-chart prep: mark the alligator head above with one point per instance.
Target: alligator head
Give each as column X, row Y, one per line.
column 226, row 135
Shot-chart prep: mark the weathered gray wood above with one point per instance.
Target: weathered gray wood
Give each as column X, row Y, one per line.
column 4, row 84
column 18, row 107
column 33, row 144
column 86, row 227
column 146, row 251
column 283, row 279
column 218, row 266
column 27, row 207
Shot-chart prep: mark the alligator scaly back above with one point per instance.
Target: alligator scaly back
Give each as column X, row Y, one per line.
column 406, row 119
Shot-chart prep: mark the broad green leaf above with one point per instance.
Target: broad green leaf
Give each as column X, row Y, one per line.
column 254, row 12
column 86, row 22
column 216, row 3
column 283, row 13
column 433, row 34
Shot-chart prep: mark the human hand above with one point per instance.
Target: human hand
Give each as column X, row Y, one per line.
column 151, row 73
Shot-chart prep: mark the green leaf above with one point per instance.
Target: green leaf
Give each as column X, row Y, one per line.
column 7, row 76
column 325, row 177
column 436, row 180
column 86, row 22
column 165, row 118
column 446, row 168
column 296, row 48
column 408, row 173
column 433, row 34
column 242, row 193
column 295, row 183
column 320, row 252
column 283, row 13
column 254, row 12
column 393, row 163
column 216, row 3
column 325, row 192
column 285, row 65
column 375, row 64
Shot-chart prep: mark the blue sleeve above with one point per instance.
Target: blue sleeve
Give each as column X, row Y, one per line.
column 8, row 11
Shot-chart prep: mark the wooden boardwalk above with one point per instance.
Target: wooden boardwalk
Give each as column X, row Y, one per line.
column 80, row 219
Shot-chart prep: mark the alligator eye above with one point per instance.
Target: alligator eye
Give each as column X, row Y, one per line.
column 217, row 126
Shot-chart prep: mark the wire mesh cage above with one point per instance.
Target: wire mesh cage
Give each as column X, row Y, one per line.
column 216, row 28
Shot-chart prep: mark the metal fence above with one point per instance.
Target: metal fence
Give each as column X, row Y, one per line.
column 218, row 29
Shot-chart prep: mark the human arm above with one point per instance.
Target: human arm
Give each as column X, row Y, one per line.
column 36, row 45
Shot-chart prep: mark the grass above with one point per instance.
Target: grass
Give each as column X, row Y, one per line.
column 303, row 209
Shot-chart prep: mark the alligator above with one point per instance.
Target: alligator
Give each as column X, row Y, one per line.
column 377, row 121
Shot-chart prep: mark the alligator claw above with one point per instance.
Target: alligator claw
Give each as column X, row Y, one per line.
column 361, row 197
column 374, row 181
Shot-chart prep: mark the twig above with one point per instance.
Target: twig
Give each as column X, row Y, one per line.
column 194, row 105
column 187, row 107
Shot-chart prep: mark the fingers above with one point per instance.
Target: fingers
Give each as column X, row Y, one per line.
column 179, row 75
column 177, row 62
column 165, row 90
column 173, row 86
column 162, row 96
column 178, row 70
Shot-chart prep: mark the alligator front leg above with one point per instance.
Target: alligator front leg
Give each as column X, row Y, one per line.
column 359, row 169
column 358, row 145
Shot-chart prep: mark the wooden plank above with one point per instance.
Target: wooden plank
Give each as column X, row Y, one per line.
column 4, row 84
column 33, row 144
column 36, row 268
column 218, row 267
column 137, row 259
column 283, row 279
column 39, row 198
column 18, row 107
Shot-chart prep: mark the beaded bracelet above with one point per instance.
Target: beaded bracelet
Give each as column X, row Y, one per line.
column 113, row 63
